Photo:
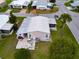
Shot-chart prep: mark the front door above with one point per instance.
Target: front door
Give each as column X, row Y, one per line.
column 25, row 35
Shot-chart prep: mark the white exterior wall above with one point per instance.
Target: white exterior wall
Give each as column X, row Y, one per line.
column 40, row 35
column 41, row 0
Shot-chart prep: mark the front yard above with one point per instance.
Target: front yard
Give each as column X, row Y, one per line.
column 8, row 44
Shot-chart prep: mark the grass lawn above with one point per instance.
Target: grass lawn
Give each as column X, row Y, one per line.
column 68, row 36
column 4, row 8
column 8, row 44
column 41, row 51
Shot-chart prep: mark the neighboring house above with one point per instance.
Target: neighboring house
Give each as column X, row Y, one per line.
column 75, row 4
column 39, row 4
column 19, row 3
column 42, row 5
column 6, row 28
column 35, row 29
column 2, row 3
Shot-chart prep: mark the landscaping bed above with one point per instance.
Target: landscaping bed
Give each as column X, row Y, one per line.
column 53, row 10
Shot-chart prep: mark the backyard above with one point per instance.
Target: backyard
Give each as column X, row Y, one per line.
column 8, row 44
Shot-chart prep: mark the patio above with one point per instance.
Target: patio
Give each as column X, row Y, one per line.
column 26, row 43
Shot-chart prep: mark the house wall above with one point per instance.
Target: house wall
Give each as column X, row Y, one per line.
column 39, row 35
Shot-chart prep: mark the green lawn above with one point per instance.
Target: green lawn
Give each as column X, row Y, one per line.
column 4, row 8
column 68, row 36
column 8, row 44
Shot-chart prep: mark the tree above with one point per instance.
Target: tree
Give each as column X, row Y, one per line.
column 12, row 18
column 62, row 49
column 77, row 8
column 29, row 8
column 22, row 54
column 65, row 18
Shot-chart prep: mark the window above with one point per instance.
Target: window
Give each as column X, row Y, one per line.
column 29, row 35
column 46, row 35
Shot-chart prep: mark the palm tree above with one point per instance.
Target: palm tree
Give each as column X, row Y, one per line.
column 29, row 8
column 65, row 18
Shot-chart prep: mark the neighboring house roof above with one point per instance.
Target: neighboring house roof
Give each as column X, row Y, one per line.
column 3, row 19
column 76, row 3
column 37, row 23
column 37, row 3
column 20, row 2
column 7, row 26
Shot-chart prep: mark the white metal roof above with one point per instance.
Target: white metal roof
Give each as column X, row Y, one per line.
column 7, row 26
column 37, row 23
column 37, row 3
column 3, row 19
column 76, row 3
column 24, row 26
column 52, row 21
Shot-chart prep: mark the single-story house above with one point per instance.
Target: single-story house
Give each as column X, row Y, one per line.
column 19, row 3
column 75, row 4
column 6, row 28
column 35, row 29
column 2, row 3
column 43, row 5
